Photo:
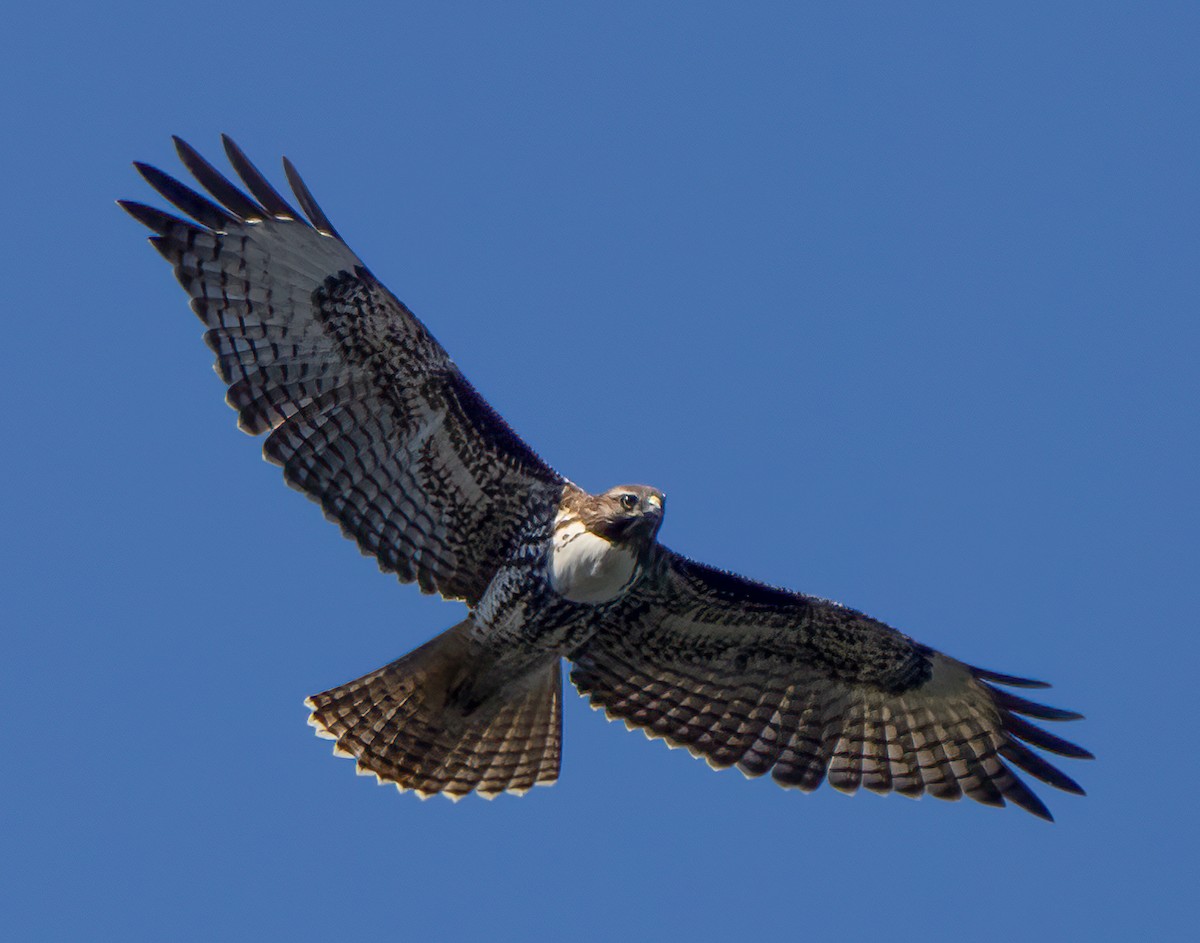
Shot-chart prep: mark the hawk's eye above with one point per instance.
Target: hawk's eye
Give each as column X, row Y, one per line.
column 629, row 501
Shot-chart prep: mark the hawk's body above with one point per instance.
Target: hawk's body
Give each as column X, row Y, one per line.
column 369, row 417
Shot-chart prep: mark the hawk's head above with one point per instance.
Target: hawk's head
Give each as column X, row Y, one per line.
column 601, row 541
column 624, row 515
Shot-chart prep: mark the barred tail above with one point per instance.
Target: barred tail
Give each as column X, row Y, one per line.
column 407, row 723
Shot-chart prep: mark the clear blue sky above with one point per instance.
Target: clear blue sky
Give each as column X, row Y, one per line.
column 897, row 302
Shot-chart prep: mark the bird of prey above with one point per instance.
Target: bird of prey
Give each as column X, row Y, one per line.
column 369, row 417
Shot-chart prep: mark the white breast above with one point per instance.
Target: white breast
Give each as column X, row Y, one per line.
column 586, row 568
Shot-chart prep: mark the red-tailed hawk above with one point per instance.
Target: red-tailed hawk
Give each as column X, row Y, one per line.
column 369, row 417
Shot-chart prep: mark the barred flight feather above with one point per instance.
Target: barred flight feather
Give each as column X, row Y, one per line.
column 366, row 414
column 783, row 699
column 346, row 380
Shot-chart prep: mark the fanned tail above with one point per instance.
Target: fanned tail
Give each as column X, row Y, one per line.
column 409, row 723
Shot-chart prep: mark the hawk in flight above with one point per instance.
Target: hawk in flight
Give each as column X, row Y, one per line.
column 368, row 416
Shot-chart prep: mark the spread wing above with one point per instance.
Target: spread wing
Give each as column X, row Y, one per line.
column 367, row 414
column 751, row 676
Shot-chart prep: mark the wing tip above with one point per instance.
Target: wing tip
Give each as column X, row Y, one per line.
column 317, row 217
column 1028, row 800
column 1012, row 681
column 1019, row 705
column 258, row 185
column 1022, row 729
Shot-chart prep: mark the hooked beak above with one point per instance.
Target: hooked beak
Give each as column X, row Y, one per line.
column 652, row 516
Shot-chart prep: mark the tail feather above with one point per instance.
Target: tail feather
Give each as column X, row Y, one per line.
column 404, row 724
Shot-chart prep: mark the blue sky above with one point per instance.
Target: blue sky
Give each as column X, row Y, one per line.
column 897, row 303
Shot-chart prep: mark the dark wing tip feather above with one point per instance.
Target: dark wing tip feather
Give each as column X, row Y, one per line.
column 168, row 250
column 1011, row 680
column 230, row 196
column 310, row 206
column 1018, row 729
column 201, row 209
column 1022, row 796
column 1031, row 733
column 151, row 217
column 258, row 185
column 1020, row 755
column 1020, row 705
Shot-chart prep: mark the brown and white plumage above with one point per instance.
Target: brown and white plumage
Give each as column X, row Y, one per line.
column 402, row 728
column 368, row 416
column 747, row 675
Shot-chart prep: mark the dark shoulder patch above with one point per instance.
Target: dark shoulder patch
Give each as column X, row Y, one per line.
column 736, row 588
